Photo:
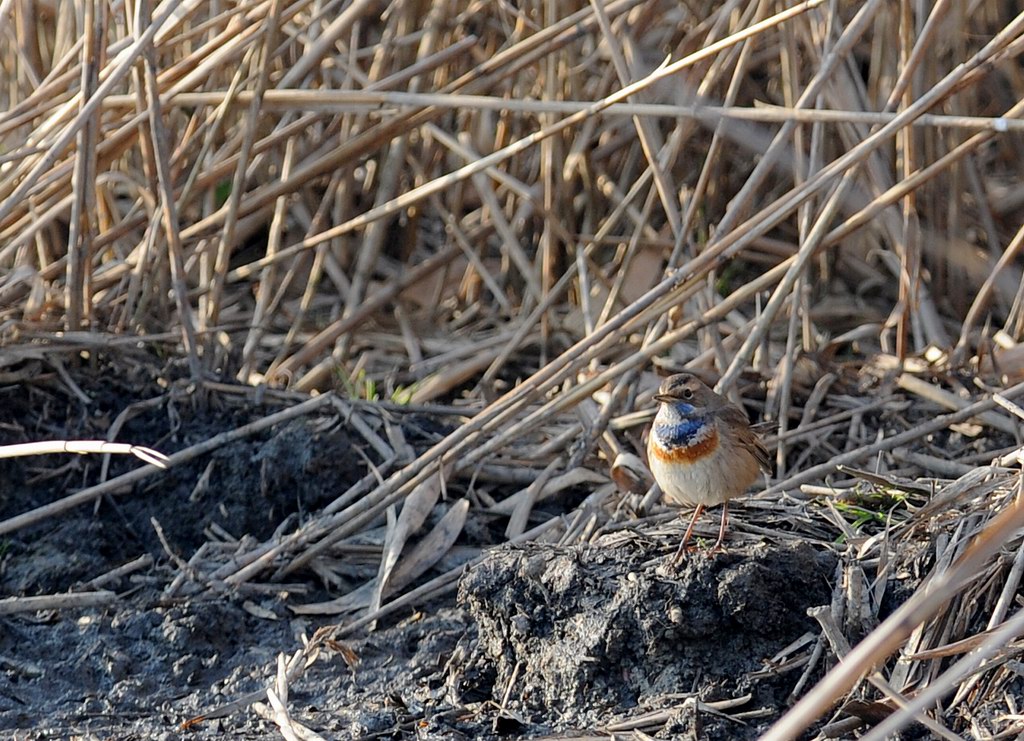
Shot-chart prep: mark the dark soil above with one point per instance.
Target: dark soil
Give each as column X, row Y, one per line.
column 541, row 639
column 576, row 638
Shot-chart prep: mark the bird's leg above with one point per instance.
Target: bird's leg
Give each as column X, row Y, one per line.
column 687, row 534
column 721, row 530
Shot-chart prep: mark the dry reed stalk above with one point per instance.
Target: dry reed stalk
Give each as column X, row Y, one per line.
column 895, row 629
column 226, row 243
column 72, row 601
column 367, row 100
column 161, row 166
column 452, row 205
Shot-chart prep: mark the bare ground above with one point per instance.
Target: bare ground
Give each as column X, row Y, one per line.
column 538, row 639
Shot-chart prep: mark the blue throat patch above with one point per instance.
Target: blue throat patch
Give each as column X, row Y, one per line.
column 681, row 429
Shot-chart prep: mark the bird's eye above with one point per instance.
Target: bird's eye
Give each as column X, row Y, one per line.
column 687, row 394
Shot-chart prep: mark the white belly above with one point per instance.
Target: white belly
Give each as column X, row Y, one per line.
column 708, row 481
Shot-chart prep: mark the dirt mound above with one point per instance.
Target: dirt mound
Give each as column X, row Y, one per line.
column 580, row 637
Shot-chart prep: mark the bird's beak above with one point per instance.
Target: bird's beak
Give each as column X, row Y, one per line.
column 664, row 398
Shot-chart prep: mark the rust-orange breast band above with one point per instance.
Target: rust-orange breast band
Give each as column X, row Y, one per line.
column 686, row 453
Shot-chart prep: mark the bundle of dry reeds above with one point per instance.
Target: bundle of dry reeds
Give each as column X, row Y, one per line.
column 522, row 212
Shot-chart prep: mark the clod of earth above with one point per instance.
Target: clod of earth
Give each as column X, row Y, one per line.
column 589, row 634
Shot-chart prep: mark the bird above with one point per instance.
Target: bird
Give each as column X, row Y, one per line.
column 702, row 450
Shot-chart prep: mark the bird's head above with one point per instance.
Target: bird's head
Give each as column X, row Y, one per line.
column 687, row 393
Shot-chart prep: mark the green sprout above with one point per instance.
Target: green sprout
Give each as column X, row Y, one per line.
column 221, row 192
column 871, row 505
column 403, row 395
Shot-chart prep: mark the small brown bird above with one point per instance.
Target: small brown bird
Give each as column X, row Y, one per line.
column 702, row 450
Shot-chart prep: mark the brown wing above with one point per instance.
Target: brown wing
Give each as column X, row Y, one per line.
column 736, row 421
column 765, row 428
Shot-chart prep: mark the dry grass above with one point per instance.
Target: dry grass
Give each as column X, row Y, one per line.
column 518, row 210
